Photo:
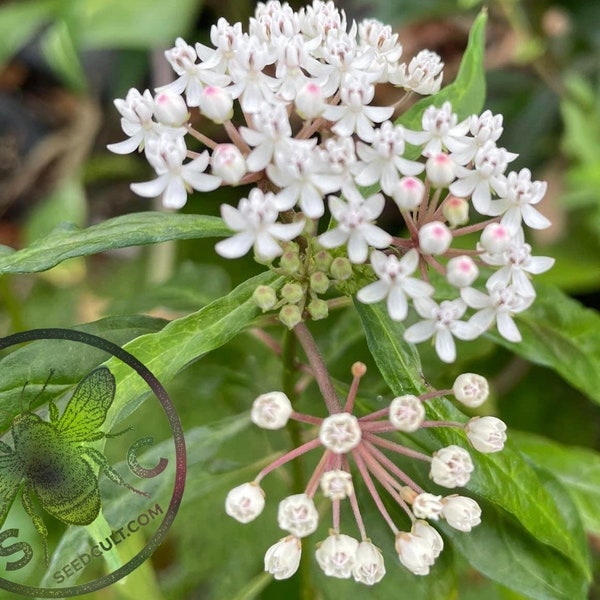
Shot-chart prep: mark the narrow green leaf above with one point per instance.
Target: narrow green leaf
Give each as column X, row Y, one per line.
column 503, row 479
column 467, row 91
column 578, row 469
column 136, row 229
column 558, row 332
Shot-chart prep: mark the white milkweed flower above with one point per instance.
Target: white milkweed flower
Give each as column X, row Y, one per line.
column 254, row 220
column 471, row 389
column 395, row 283
column 175, row 179
column 441, row 322
column 298, row 515
column 369, row 567
column 245, row 502
column 461, row 513
column 406, row 413
column 482, row 128
column 216, row 104
column 271, row 410
column 336, row 555
column 451, row 467
column 486, row 434
column 440, row 169
column 495, row 238
column 355, row 224
column 381, row 39
column 427, row 506
column 336, row 484
column 418, row 549
column 423, row 74
column 340, row 432
column 283, row 558
column 170, row 109
column 228, row 163
column 409, row 193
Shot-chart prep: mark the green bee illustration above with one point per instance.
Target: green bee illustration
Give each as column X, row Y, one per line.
column 50, row 461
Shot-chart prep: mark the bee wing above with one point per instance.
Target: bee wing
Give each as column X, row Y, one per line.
column 86, row 411
column 10, row 479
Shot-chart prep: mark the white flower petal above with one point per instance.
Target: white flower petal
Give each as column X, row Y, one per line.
column 419, row 332
column 374, row 292
column 235, row 246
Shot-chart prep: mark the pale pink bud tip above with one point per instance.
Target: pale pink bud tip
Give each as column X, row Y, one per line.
column 228, row 163
column 471, row 389
column 434, row 238
column 216, row 104
column 409, row 192
column 245, row 502
column 406, row 413
column 440, row 169
column 271, row 411
column 456, row 211
column 495, row 238
column 461, row 271
column 309, row 101
column 170, row 109
column 340, row 432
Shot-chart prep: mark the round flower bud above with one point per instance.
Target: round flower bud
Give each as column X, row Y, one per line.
column 341, row 268
column 216, row 104
column 409, row 193
column 427, row 506
column 418, row 550
column 298, row 515
column 170, row 109
column 434, row 238
column 290, row 315
column 290, row 261
column 264, row 297
column 336, row 555
column 336, row 484
column 228, row 163
column 271, row 411
column 309, row 101
column 245, row 502
column 461, row 271
column 406, row 413
column 495, row 238
column 283, row 558
column 318, row 309
column 340, row 432
column 323, row 260
column 451, row 467
column 440, row 169
column 319, row 283
column 486, row 434
column 461, row 512
column 292, row 292
column 471, row 389
column 456, row 211
column 369, row 567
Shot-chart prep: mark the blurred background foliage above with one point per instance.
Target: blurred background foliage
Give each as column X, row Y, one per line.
column 61, row 64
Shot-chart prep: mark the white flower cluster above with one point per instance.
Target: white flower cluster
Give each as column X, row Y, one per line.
column 305, row 82
column 343, row 437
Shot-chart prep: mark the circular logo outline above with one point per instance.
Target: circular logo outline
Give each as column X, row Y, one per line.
column 168, row 407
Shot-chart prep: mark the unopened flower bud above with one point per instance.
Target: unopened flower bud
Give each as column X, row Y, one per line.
column 245, row 502
column 486, row 434
column 319, row 282
column 341, row 268
column 318, row 309
column 290, row 261
column 434, row 238
column 451, row 467
column 456, row 211
column 340, row 432
column 170, row 109
column 292, row 292
column 495, row 238
column 406, row 413
column 426, row 531
column 271, row 411
column 323, row 260
column 427, row 506
column 336, row 484
column 358, row 369
column 290, row 315
column 461, row 512
column 471, row 389
column 283, row 558
column 264, row 297
column 228, row 163
column 336, row 555
column 298, row 515
column 369, row 567
column 440, row 169
column 409, row 193
column 216, row 104
column 309, row 101
column 418, row 549
column 461, row 271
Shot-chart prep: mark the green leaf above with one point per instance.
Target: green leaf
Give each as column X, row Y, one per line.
column 558, row 332
column 467, row 91
column 504, row 479
column 136, row 229
column 578, row 469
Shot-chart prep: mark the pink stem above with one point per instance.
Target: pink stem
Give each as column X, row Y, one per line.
column 302, row 418
column 282, row 460
column 383, row 412
column 370, row 437
column 323, row 465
